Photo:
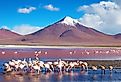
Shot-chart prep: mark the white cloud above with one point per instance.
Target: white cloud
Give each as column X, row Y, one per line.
column 103, row 16
column 117, row 2
column 25, row 29
column 4, row 27
column 90, row 19
column 26, row 10
column 51, row 7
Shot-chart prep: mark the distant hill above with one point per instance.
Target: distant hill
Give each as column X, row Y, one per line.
column 7, row 36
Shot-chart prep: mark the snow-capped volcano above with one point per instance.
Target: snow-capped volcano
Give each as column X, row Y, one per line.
column 67, row 31
column 69, row 21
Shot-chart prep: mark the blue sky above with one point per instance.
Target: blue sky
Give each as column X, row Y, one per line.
column 10, row 17
column 39, row 13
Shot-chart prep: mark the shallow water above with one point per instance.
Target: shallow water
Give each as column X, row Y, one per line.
column 64, row 53
column 76, row 76
column 62, row 77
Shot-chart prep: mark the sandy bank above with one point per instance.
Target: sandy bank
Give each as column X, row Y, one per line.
column 28, row 46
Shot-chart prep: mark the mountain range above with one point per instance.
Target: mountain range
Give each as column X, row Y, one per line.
column 67, row 31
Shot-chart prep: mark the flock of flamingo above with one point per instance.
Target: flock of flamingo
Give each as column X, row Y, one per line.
column 37, row 66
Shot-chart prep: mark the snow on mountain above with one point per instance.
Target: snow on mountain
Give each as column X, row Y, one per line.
column 69, row 21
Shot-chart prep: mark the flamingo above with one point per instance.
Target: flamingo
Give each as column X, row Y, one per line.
column 3, row 52
column 70, row 66
column 39, row 52
column 17, row 63
column 46, row 52
column 74, row 51
column 107, row 52
column 36, row 56
column 23, row 64
column 96, row 52
column 75, row 64
column 30, row 64
column 87, row 52
column 84, row 65
column 94, row 68
column 110, row 68
column 7, row 67
column 36, row 66
column 11, row 63
column 103, row 69
column 70, row 52
column 14, row 64
column 65, row 64
column 47, row 67
column 51, row 65
column 41, row 64
column 55, row 63
column 15, row 52
column 36, row 52
column 58, row 64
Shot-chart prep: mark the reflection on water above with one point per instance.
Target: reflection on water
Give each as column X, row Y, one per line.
column 62, row 77
column 76, row 76
column 36, row 79
column 8, row 77
column 94, row 77
column 59, row 76
column 20, row 78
